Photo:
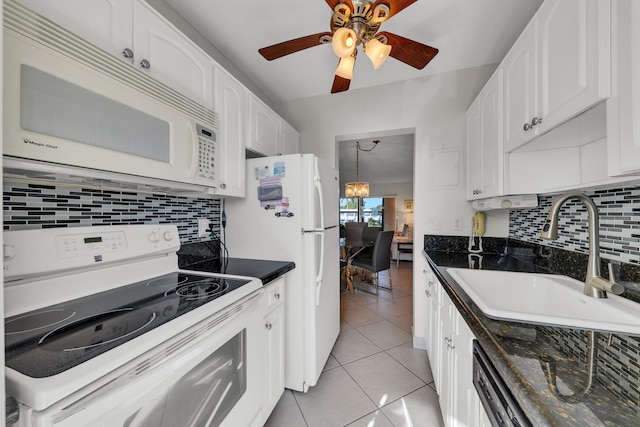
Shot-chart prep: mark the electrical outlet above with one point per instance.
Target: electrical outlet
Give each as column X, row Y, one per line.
column 457, row 223
column 203, row 227
column 434, row 223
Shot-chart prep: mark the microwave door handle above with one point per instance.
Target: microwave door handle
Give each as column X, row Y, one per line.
column 320, row 272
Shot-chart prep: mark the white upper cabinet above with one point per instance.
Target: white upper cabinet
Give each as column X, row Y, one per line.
column 139, row 35
column 264, row 128
column 623, row 108
column 171, row 57
column 289, row 140
column 558, row 67
column 231, row 105
column 520, row 89
column 268, row 133
column 107, row 24
column 485, row 141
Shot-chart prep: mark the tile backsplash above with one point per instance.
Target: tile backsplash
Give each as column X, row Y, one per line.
column 29, row 206
column 619, row 210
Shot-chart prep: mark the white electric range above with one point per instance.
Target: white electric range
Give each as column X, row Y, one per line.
column 103, row 328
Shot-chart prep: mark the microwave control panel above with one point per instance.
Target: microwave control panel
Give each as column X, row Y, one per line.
column 207, row 154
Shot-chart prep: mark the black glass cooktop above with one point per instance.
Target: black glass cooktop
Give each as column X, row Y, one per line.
column 51, row 340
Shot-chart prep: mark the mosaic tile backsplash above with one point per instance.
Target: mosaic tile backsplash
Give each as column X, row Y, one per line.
column 29, row 206
column 619, row 210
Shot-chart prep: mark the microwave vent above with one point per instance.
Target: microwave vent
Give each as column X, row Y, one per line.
column 22, row 20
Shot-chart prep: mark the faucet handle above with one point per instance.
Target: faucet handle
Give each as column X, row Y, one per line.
column 608, row 285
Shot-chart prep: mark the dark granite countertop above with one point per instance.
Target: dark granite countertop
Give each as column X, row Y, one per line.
column 205, row 256
column 519, row 350
column 265, row 270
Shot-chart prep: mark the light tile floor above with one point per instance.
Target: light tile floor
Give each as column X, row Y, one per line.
column 374, row 377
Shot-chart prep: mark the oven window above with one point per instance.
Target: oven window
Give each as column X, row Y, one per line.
column 204, row 395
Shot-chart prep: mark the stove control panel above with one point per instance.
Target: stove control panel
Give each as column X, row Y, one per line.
column 91, row 243
column 59, row 249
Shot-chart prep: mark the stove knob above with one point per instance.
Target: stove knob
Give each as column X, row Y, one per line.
column 168, row 235
column 154, row 237
column 9, row 252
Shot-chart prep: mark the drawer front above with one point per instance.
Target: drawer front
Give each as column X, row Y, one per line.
column 275, row 293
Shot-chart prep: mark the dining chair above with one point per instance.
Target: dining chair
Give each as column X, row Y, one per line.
column 375, row 258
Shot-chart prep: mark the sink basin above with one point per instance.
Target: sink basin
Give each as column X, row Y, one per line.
column 546, row 299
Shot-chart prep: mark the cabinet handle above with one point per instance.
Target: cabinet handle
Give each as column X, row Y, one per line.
column 449, row 342
column 477, row 191
column 127, row 53
column 268, row 326
column 145, row 64
column 526, row 127
column 427, row 293
column 276, row 296
column 536, row 121
column 223, row 185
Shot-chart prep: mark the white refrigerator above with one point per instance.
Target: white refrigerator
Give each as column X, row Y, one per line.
column 291, row 213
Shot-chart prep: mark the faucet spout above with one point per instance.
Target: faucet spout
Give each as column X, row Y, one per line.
column 594, row 284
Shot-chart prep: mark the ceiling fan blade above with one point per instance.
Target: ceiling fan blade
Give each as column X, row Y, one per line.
column 291, row 46
column 395, row 6
column 340, row 84
column 333, row 3
column 410, row 52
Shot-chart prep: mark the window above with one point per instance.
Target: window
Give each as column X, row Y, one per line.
column 369, row 210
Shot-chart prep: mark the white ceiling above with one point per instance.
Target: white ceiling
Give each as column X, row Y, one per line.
column 468, row 33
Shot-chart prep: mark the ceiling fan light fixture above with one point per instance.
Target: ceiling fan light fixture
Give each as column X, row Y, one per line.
column 377, row 52
column 344, row 42
column 345, row 67
column 380, row 14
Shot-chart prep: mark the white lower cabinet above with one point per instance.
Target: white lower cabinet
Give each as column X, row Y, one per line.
column 449, row 343
column 273, row 300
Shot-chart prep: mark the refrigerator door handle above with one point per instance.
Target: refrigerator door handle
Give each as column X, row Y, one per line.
column 318, row 185
column 319, row 275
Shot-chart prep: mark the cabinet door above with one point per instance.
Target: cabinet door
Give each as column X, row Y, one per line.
column 106, row 23
column 289, row 139
column 520, row 90
column 264, row 128
column 623, row 108
column 230, row 104
column 171, row 57
column 448, row 402
column 274, row 352
column 574, row 52
column 485, row 142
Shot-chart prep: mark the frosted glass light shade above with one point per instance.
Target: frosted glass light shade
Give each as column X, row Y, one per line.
column 345, row 67
column 377, row 52
column 356, row 189
column 344, row 42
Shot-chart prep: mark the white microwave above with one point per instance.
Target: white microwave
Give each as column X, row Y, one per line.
column 67, row 103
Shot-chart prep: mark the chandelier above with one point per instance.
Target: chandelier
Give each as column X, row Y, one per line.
column 359, row 189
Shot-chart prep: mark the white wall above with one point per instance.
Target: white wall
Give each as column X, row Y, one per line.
column 435, row 107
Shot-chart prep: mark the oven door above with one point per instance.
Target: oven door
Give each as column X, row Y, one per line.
column 207, row 375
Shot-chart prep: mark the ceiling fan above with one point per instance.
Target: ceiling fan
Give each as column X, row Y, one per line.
column 353, row 23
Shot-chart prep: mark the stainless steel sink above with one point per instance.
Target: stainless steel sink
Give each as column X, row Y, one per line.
column 546, row 299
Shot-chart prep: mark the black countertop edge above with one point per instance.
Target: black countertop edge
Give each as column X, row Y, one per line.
column 540, row 408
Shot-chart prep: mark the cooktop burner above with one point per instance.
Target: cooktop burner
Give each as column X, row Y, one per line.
column 51, row 340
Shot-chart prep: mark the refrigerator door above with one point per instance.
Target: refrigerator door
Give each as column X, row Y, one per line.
column 322, row 300
column 321, row 194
